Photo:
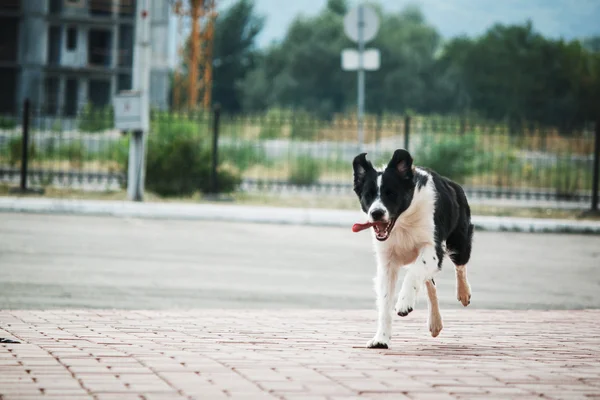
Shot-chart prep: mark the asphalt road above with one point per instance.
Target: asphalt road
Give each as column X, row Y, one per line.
column 103, row 262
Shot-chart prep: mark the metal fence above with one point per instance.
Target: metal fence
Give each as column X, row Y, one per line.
column 305, row 154
column 76, row 153
column 284, row 151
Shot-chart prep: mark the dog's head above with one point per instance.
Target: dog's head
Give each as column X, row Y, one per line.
column 384, row 194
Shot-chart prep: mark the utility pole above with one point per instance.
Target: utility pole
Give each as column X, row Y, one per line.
column 361, row 77
column 141, row 84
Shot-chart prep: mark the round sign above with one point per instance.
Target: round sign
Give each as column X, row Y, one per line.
column 369, row 19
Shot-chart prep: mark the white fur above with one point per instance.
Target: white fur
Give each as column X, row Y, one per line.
column 378, row 204
column 411, row 243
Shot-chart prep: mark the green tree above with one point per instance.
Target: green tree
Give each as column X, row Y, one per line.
column 408, row 46
column 510, row 73
column 513, row 73
column 234, row 52
column 304, row 70
column 592, row 44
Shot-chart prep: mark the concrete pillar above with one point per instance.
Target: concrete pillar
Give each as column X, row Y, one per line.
column 82, row 96
column 113, row 84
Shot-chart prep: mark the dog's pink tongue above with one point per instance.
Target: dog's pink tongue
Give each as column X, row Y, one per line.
column 361, row 227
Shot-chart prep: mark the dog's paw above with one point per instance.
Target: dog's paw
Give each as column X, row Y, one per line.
column 463, row 293
column 435, row 325
column 404, row 311
column 405, row 304
column 379, row 342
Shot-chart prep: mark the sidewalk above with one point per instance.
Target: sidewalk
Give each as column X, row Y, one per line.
column 213, row 354
column 272, row 215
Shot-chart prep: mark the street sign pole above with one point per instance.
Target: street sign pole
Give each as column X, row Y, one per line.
column 141, row 84
column 361, row 25
column 361, row 77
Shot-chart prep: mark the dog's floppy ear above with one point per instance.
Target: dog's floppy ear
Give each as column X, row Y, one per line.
column 361, row 166
column 401, row 162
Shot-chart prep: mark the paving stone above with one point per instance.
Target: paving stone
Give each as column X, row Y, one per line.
column 253, row 354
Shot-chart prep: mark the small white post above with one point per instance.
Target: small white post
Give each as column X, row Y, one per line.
column 141, row 83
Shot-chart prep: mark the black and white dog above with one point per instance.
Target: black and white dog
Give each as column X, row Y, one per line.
column 417, row 217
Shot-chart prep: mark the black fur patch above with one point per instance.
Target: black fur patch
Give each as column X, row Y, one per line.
column 421, row 180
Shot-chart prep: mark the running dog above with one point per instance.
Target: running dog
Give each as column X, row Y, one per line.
column 417, row 217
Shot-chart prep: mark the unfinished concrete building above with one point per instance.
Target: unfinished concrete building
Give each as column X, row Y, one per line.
column 64, row 54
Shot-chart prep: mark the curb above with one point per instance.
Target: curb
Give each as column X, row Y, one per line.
column 267, row 215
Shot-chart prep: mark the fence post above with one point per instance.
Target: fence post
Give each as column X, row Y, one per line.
column 596, row 173
column 215, row 149
column 25, row 146
column 406, row 132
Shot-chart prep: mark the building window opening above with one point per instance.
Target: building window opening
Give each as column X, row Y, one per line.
column 71, row 38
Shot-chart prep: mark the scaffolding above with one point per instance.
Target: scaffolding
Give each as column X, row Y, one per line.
column 195, row 52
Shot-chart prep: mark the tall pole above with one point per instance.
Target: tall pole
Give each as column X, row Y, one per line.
column 25, row 146
column 196, row 8
column 207, row 64
column 361, row 76
column 596, row 172
column 141, row 84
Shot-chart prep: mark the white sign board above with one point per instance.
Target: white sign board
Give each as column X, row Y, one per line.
column 128, row 112
column 350, row 60
column 369, row 19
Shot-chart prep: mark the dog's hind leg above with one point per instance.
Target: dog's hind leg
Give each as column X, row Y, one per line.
column 463, row 289
column 459, row 246
column 434, row 320
column 424, row 268
column 385, row 288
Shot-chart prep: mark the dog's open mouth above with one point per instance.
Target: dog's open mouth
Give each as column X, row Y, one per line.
column 383, row 229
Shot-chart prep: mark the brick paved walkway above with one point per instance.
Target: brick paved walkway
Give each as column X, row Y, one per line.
column 297, row 355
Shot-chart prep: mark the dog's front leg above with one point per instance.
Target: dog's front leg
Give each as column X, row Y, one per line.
column 385, row 289
column 424, row 268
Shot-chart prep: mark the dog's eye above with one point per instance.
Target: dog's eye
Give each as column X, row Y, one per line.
column 389, row 193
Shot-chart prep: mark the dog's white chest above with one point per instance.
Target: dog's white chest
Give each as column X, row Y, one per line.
column 403, row 246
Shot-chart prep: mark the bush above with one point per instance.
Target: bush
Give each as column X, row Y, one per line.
column 169, row 126
column 119, row 151
column 96, row 119
column 72, row 151
column 182, row 166
column 7, row 123
column 305, row 170
column 453, row 156
column 179, row 157
column 15, row 148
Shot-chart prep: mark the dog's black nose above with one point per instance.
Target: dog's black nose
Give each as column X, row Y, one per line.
column 377, row 214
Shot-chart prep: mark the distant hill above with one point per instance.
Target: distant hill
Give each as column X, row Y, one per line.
column 569, row 19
